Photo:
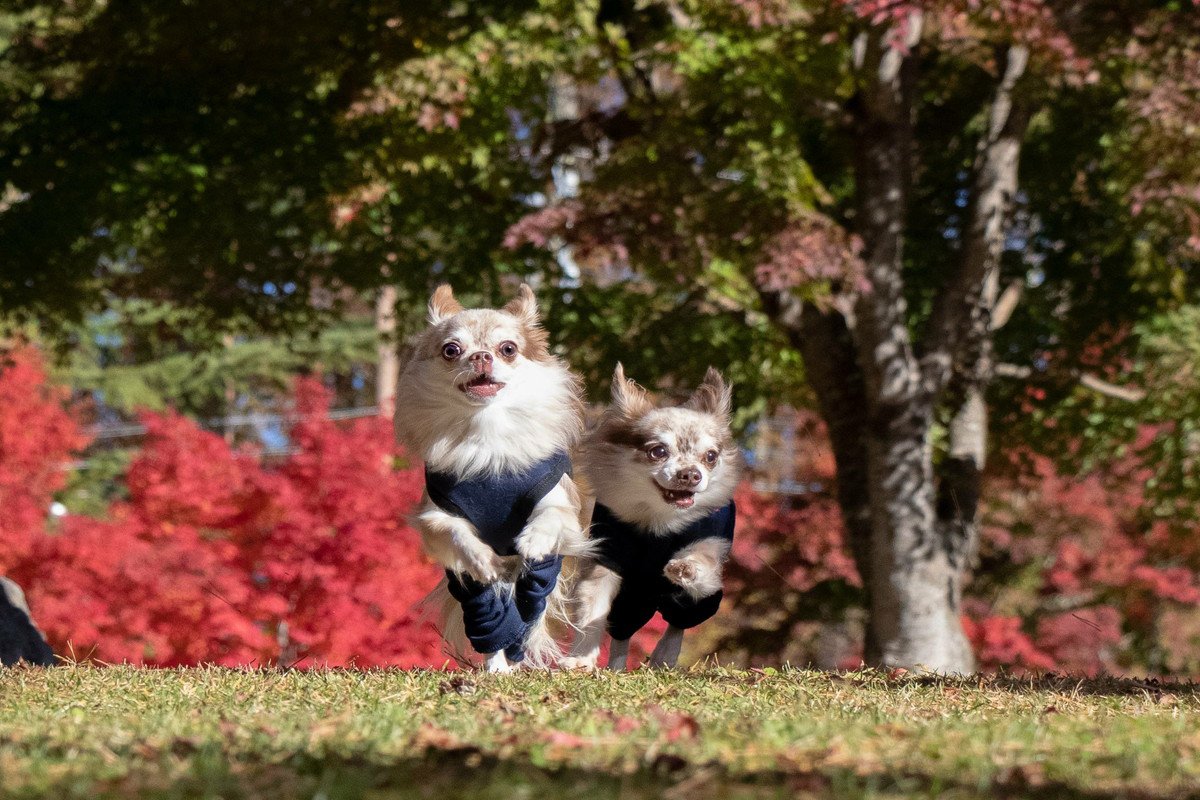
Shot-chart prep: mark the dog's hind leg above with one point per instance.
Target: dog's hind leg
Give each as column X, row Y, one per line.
column 666, row 652
column 594, row 593
column 618, row 654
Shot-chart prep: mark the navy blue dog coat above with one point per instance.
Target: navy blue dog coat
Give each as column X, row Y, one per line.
column 499, row 506
column 639, row 557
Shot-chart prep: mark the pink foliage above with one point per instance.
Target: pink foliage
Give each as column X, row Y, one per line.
column 801, row 546
column 595, row 233
column 1084, row 640
column 1103, row 574
column 1164, row 115
column 811, row 250
column 955, row 25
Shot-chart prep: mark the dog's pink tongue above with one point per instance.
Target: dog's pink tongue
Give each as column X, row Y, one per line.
column 483, row 389
column 687, row 501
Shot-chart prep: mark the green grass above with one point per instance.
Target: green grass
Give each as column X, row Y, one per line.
column 82, row 732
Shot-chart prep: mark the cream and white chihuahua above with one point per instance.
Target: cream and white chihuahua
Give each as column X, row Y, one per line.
column 494, row 415
column 663, row 479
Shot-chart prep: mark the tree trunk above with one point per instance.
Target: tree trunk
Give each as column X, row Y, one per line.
column 228, row 430
column 962, row 325
column 387, row 368
column 912, row 582
column 879, row 397
column 960, row 478
column 961, row 318
column 827, row 346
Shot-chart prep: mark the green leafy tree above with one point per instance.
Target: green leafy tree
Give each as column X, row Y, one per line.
column 142, row 355
column 201, row 152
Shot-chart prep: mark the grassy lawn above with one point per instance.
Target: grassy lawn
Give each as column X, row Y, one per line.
column 81, row 732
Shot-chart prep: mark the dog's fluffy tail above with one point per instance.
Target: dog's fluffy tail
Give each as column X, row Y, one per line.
column 446, row 614
column 575, row 543
column 541, row 650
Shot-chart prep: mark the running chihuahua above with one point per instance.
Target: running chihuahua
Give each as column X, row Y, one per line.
column 494, row 415
column 663, row 479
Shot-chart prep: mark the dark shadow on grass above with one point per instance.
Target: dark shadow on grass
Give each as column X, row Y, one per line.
column 1102, row 685
column 470, row 775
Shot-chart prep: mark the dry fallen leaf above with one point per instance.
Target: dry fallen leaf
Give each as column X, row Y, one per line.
column 431, row 737
column 563, row 739
column 675, row 725
column 621, row 723
column 457, row 685
column 1022, row 776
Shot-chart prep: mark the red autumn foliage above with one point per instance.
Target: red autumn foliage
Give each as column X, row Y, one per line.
column 1085, row 640
column 351, row 570
column 214, row 557
column 999, row 642
column 1108, row 582
column 37, row 437
column 801, row 545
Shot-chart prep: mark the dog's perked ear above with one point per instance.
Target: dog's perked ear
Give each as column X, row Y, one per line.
column 628, row 398
column 523, row 306
column 712, row 396
column 442, row 305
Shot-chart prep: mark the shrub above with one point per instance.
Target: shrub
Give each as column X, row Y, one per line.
column 214, row 557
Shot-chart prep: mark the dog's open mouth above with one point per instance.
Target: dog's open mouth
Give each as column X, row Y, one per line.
column 680, row 498
column 481, row 387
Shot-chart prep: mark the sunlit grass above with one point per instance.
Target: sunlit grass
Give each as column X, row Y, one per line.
column 84, row 732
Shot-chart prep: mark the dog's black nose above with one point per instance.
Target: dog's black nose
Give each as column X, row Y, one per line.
column 690, row 476
column 481, row 360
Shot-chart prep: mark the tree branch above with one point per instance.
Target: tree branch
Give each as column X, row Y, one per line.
column 883, row 116
column 964, row 306
column 1130, row 394
column 1006, row 304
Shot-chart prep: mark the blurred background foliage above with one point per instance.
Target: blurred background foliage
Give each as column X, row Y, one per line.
column 200, row 201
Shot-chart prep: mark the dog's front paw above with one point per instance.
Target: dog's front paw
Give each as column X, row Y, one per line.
column 481, row 563
column 497, row 664
column 536, row 542
column 682, row 572
column 578, row 662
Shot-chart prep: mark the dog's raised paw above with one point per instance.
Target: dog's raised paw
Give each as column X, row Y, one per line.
column 680, row 571
column 482, row 564
column 535, row 543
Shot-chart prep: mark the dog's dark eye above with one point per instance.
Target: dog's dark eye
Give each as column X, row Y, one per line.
column 451, row 351
column 658, row 452
column 711, row 456
column 508, row 349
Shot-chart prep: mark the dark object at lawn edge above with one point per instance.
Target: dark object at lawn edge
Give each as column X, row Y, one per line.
column 20, row 640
